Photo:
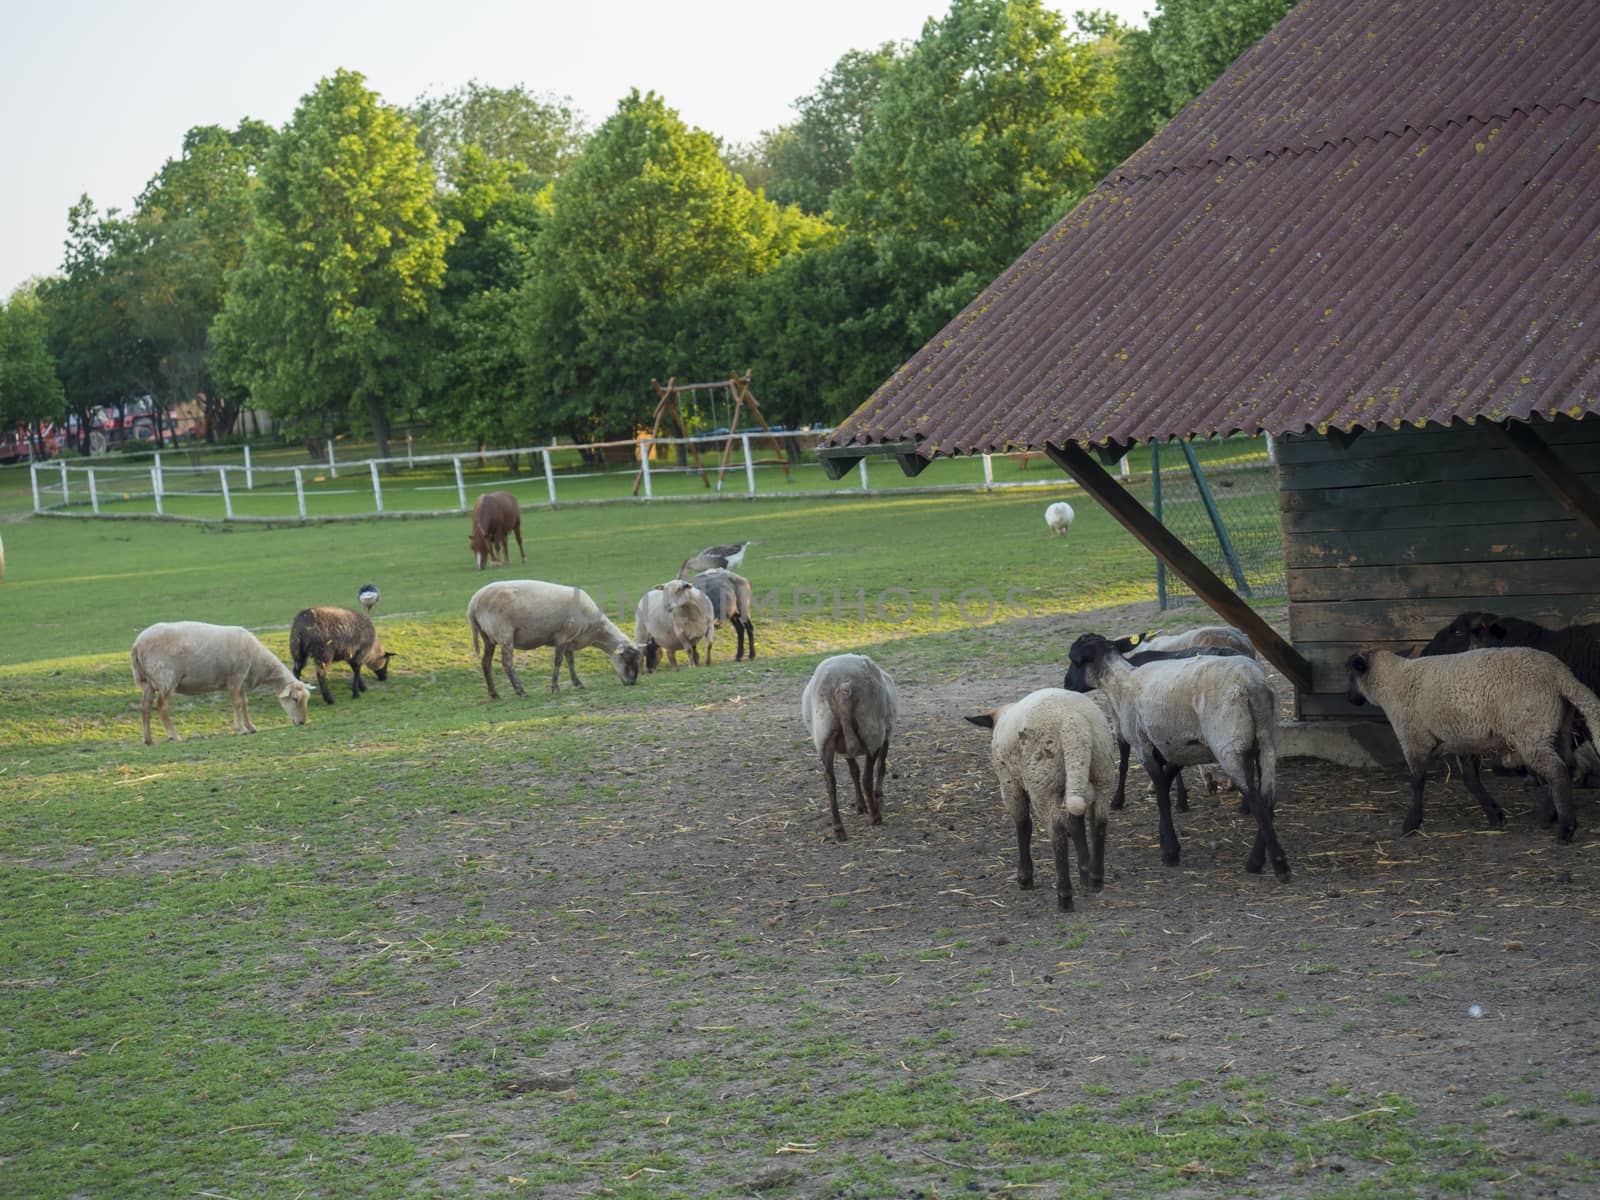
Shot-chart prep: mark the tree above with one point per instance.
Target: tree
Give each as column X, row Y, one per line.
column 324, row 316
column 30, row 392
column 648, row 215
column 977, row 146
column 1192, row 42
column 535, row 135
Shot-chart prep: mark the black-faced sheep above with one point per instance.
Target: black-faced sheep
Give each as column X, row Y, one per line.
column 675, row 616
column 850, row 705
column 327, row 635
column 1517, row 700
column 731, row 598
column 495, row 516
column 524, row 614
column 192, row 657
column 1053, row 753
column 1188, row 711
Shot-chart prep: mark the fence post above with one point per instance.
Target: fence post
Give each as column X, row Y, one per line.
column 155, row 486
column 94, row 493
column 549, row 474
column 333, row 467
column 249, row 475
column 63, row 465
column 749, row 466
column 377, row 488
column 410, row 461
column 1217, row 526
column 1122, row 464
column 988, row 473
column 863, row 474
column 33, row 474
column 1272, row 450
column 1155, row 496
column 227, row 500
column 644, row 464
column 161, row 480
column 300, row 493
column 461, row 485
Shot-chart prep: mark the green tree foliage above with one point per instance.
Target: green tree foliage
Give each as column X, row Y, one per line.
column 324, row 316
column 534, row 135
column 1192, row 42
column 977, row 146
column 30, row 393
column 647, row 217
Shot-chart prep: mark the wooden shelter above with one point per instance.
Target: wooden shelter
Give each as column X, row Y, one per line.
column 1374, row 237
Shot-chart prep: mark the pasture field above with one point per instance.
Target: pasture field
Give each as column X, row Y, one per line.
column 601, row 943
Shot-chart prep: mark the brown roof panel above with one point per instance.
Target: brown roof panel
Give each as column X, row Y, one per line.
column 1437, row 269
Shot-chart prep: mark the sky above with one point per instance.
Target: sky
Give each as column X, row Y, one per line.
column 96, row 96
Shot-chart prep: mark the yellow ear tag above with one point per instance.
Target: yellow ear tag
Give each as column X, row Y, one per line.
column 1135, row 640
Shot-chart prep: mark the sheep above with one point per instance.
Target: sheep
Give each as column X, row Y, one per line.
column 524, row 614
column 1474, row 703
column 1053, row 753
column 731, row 599
column 1058, row 517
column 1224, row 636
column 713, row 558
column 675, row 616
column 495, row 515
column 193, row 657
column 328, row 635
column 1188, row 711
column 850, row 705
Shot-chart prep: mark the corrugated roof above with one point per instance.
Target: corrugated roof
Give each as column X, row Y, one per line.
column 1384, row 213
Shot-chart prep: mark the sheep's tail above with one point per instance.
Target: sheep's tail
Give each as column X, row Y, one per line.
column 1076, row 783
column 472, row 620
column 1581, row 698
column 842, row 703
column 138, row 671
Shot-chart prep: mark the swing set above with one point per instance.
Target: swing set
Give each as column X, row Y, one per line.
column 740, row 398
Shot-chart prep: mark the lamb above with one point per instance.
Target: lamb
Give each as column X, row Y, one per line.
column 850, row 705
column 674, row 616
column 524, row 614
column 1223, row 636
column 731, row 600
column 193, row 657
column 1478, row 702
column 495, row 516
column 328, row 635
column 1059, row 517
column 714, row 558
column 1053, row 753
column 1188, row 711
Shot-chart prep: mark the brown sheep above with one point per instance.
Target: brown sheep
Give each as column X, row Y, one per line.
column 494, row 517
column 328, row 635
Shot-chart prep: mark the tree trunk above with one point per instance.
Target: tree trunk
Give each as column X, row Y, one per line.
column 380, row 423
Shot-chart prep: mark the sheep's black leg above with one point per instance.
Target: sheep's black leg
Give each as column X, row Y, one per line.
column 488, row 668
column 874, row 770
column 322, row 682
column 1266, row 835
column 833, row 794
column 694, row 654
column 855, row 778
column 883, row 759
column 572, row 669
column 750, row 632
column 738, row 633
column 1080, row 842
column 1120, row 798
column 1159, row 770
column 1550, row 765
column 356, row 686
column 507, row 656
column 1097, row 872
column 1419, row 779
column 1058, row 846
column 1025, row 852
column 1470, row 768
column 1181, row 790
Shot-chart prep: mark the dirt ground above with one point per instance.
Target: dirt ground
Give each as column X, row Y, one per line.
column 1455, row 968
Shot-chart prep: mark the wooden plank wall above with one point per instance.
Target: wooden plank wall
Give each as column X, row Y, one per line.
column 1386, row 541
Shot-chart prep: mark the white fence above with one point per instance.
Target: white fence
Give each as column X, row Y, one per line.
column 419, row 484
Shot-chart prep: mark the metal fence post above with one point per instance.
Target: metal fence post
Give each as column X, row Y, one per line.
column 249, row 475
column 1122, row 465
column 749, row 466
column 161, row 480
column 1221, row 530
column 988, row 473
column 863, row 474
column 377, row 488
column 63, row 465
column 300, row 493
column 1155, row 490
column 333, row 467
column 461, row 485
column 94, row 493
column 644, row 463
column 227, row 500
column 33, row 474
column 549, row 473
column 155, row 486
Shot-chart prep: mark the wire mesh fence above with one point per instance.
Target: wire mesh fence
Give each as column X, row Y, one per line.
column 1226, row 512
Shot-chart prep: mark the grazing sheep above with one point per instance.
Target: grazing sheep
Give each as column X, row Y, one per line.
column 369, row 596
column 1187, row 711
column 193, row 657
column 328, row 635
column 495, row 516
column 731, row 598
column 675, row 616
column 1474, row 703
column 714, row 557
column 850, row 705
column 1059, row 517
column 524, row 614
column 1053, row 753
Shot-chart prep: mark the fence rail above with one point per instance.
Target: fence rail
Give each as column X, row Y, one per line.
column 642, row 469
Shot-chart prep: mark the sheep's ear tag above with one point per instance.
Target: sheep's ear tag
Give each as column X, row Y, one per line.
column 1135, row 639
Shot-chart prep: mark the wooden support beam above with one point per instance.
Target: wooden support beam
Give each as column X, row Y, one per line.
column 1180, row 560
column 1555, row 476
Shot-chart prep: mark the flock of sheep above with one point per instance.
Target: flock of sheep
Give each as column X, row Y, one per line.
column 1485, row 685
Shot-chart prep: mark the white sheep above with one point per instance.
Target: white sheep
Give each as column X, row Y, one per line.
column 1225, row 637
column 1058, row 517
column 1187, row 711
column 1055, row 756
column 674, row 616
column 1515, row 699
column 524, row 614
column 850, row 705
column 193, row 657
